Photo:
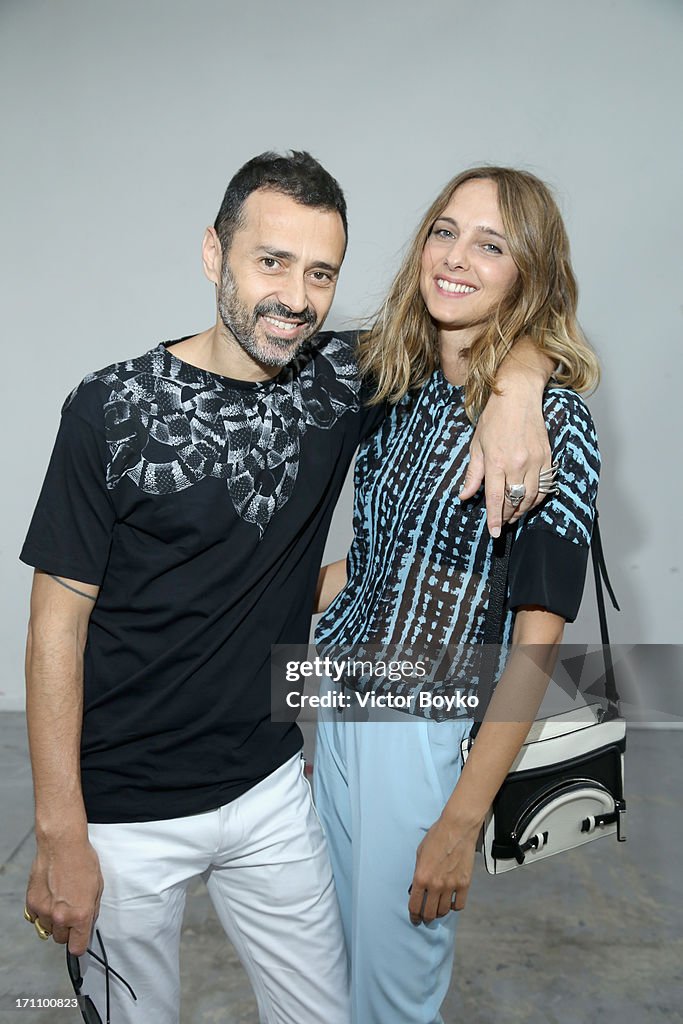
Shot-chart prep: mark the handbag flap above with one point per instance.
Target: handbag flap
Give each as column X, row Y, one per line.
column 567, row 721
column 557, row 746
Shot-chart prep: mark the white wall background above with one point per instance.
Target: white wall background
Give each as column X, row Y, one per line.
column 123, row 121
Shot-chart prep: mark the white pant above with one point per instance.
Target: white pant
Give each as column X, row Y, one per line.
column 266, row 867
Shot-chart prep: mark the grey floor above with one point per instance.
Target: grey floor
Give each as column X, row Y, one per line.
column 594, row 935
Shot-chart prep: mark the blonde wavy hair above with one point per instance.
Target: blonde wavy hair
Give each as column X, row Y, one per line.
column 400, row 351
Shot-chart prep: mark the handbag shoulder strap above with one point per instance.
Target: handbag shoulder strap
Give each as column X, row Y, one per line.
column 495, row 614
column 600, row 576
column 494, row 621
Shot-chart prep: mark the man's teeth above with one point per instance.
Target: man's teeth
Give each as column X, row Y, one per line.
column 449, row 286
column 283, row 325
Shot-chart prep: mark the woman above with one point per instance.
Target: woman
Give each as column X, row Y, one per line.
column 489, row 265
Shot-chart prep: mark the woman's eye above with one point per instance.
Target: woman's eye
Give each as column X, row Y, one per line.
column 443, row 233
column 491, row 247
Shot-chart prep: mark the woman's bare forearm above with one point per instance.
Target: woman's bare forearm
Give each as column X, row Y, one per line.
column 508, row 718
column 331, row 581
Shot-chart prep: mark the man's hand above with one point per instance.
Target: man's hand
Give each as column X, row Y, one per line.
column 64, row 890
column 65, row 884
column 510, row 444
column 444, row 864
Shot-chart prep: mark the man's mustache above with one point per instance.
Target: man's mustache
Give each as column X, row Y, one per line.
column 276, row 309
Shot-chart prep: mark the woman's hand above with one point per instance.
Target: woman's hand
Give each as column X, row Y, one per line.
column 445, row 857
column 443, row 866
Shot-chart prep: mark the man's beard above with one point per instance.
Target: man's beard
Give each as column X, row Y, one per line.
column 242, row 323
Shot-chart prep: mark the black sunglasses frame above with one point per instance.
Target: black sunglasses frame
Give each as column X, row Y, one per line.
column 89, row 1011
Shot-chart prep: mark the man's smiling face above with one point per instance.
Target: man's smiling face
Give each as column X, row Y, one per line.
column 279, row 276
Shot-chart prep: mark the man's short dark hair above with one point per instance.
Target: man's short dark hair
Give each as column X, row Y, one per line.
column 298, row 175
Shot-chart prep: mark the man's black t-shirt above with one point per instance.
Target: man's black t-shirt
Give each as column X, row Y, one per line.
column 200, row 506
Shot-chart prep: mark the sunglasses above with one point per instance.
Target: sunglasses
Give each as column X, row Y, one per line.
column 73, row 966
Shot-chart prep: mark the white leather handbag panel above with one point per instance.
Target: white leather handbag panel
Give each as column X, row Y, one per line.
column 552, row 749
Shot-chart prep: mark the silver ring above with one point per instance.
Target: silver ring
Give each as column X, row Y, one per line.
column 515, row 494
column 549, row 474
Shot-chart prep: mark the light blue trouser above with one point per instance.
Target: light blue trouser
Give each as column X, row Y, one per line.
column 379, row 786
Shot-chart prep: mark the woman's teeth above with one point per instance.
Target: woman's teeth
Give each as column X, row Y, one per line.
column 449, row 286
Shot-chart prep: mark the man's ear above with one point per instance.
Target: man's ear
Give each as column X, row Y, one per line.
column 212, row 256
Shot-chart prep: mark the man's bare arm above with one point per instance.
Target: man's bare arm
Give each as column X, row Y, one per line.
column 72, row 588
column 510, row 444
column 65, row 883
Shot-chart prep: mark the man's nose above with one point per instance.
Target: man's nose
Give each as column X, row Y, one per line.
column 292, row 294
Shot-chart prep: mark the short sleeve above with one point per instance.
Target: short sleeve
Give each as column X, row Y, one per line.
column 71, row 530
column 372, row 416
column 550, row 554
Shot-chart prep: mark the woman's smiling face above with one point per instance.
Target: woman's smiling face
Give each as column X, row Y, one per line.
column 467, row 268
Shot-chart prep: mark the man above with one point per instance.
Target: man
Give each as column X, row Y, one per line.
column 178, row 535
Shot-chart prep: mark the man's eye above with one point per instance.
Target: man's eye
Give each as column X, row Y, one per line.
column 321, row 276
column 269, row 263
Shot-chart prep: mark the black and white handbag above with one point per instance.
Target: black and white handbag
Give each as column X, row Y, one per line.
column 566, row 785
